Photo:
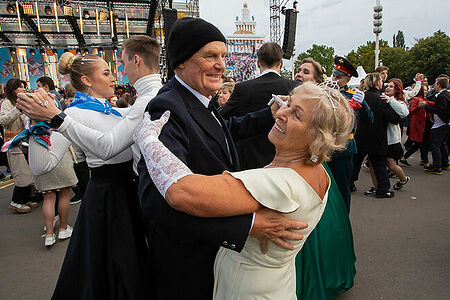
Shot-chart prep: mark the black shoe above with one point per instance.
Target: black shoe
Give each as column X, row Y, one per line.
column 371, row 192
column 433, row 171
column 404, row 162
column 388, row 194
column 2, row 176
column 400, row 184
column 446, row 168
column 391, row 174
column 353, row 188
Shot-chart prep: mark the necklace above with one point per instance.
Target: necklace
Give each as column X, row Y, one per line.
column 284, row 163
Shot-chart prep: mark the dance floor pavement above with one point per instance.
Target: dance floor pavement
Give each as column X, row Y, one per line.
column 402, row 244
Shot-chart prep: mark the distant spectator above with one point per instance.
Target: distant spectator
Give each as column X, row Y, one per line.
column 309, row 70
column 48, row 85
column 70, row 93
column 440, row 129
column 225, row 93
column 112, row 100
column 383, row 70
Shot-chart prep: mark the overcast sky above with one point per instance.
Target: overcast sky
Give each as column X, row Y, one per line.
column 342, row 24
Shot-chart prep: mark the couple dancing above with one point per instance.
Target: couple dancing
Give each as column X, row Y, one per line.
column 187, row 227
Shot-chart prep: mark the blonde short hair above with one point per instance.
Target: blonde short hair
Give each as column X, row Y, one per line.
column 228, row 86
column 331, row 123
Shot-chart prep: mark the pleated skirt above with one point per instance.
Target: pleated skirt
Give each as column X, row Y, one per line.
column 106, row 255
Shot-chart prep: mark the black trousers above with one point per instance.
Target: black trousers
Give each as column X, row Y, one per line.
column 82, row 171
column 342, row 167
column 423, row 151
column 378, row 163
column 438, row 146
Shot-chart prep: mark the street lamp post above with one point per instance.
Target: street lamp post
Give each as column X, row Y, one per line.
column 377, row 22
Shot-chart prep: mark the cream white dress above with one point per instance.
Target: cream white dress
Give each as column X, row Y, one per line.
column 250, row 275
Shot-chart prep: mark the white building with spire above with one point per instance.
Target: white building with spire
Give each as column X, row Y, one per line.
column 244, row 39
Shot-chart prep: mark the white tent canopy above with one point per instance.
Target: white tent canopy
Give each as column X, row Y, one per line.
column 354, row 82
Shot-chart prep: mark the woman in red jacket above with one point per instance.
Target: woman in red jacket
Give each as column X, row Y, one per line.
column 419, row 128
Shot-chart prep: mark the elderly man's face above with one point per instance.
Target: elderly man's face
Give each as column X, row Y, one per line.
column 203, row 70
column 342, row 80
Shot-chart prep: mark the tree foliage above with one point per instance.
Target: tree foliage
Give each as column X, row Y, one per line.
column 430, row 56
column 320, row 53
column 365, row 55
column 399, row 40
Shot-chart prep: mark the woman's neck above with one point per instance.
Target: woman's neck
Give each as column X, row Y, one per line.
column 288, row 158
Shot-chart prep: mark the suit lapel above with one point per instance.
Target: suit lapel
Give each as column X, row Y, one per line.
column 203, row 117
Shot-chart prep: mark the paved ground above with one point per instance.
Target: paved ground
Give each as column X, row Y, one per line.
column 402, row 244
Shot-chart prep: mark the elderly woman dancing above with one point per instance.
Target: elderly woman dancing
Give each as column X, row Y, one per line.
column 315, row 122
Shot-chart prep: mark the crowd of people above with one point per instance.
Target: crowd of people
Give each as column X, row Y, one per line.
column 150, row 164
column 242, row 65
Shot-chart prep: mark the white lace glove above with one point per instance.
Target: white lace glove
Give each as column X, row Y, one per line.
column 358, row 96
column 163, row 166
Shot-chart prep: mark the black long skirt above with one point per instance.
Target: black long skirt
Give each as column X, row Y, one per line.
column 106, row 255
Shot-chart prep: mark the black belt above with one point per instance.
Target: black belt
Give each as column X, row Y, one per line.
column 122, row 171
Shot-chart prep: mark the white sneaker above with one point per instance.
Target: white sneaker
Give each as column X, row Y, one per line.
column 55, row 219
column 50, row 240
column 65, row 234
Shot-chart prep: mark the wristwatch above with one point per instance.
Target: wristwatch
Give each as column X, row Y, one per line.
column 57, row 120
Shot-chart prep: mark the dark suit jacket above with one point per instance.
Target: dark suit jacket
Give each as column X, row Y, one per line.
column 252, row 95
column 372, row 138
column 441, row 107
column 183, row 247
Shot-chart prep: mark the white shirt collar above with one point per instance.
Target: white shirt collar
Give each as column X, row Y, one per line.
column 269, row 71
column 144, row 84
column 203, row 99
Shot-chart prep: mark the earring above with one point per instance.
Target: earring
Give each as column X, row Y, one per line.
column 89, row 89
column 314, row 158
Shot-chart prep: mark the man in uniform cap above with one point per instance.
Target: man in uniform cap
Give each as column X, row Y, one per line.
column 341, row 164
column 183, row 247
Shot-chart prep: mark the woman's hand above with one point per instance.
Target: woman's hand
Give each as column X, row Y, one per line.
column 150, row 129
column 38, row 105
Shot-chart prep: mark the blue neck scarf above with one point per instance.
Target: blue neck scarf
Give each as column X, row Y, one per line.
column 84, row 101
column 40, row 133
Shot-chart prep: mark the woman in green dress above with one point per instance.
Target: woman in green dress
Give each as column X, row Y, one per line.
column 326, row 264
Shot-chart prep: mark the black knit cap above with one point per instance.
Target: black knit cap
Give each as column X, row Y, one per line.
column 187, row 36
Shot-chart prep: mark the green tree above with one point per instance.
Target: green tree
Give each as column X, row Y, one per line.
column 430, row 56
column 320, row 53
column 399, row 40
column 365, row 55
column 285, row 73
column 395, row 58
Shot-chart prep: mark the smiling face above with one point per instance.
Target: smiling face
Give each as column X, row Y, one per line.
column 101, row 81
column 305, row 73
column 390, row 89
column 290, row 133
column 224, row 95
column 203, row 70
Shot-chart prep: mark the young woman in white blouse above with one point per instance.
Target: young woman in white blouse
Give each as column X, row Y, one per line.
column 395, row 97
column 108, row 242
